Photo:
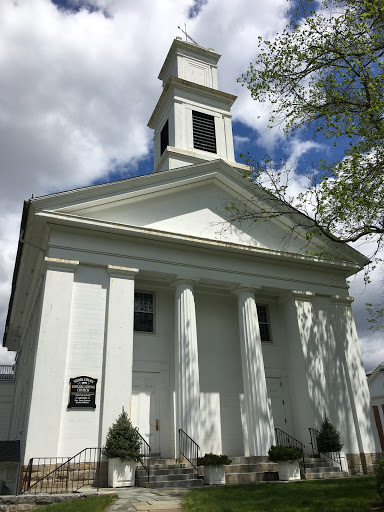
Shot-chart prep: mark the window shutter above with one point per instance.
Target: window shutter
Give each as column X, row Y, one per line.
column 204, row 135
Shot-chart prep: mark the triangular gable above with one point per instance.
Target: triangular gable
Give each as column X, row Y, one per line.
column 188, row 201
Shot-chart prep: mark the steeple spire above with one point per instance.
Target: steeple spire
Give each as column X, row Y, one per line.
column 192, row 119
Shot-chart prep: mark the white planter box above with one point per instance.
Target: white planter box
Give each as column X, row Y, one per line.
column 289, row 470
column 121, row 474
column 214, row 475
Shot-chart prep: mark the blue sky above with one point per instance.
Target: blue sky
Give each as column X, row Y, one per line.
column 79, row 83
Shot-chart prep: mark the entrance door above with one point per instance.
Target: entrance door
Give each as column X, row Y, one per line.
column 280, row 407
column 146, row 407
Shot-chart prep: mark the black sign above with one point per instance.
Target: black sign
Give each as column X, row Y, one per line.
column 82, row 393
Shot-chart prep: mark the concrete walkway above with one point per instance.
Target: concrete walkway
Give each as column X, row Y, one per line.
column 133, row 499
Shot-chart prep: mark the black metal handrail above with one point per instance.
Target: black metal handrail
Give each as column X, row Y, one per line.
column 63, row 474
column 145, row 454
column 188, row 448
column 284, row 439
column 334, row 456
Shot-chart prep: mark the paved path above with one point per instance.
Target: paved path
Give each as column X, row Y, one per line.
column 147, row 500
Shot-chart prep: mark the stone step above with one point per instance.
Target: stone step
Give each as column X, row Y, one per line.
column 176, row 484
column 164, row 478
column 259, row 476
column 318, row 476
column 167, row 466
column 164, row 471
column 249, row 460
column 323, row 469
column 158, row 460
column 250, row 468
column 322, row 464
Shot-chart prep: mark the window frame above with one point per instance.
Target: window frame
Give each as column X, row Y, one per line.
column 203, row 115
column 268, row 323
column 164, row 137
column 149, row 292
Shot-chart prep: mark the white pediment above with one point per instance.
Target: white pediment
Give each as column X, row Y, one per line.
column 197, row 209
column 193, row 202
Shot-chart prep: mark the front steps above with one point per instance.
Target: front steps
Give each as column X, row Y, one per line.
column 167, row 474
column 250, row 469
column 317, row 468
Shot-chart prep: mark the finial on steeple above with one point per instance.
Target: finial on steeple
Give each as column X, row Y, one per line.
column 187, row 36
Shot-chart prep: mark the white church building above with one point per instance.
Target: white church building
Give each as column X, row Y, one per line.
column 186, row 320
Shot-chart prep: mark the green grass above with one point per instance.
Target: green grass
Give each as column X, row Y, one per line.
column 347, row 495
column 91, row 504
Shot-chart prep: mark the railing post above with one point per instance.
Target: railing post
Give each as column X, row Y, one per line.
column 29, row 473
column 98, row 469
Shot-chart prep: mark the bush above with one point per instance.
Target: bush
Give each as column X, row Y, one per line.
column 329, row 438
column 211, row 459
column 123, row 440
column 281, row 453
column 379, row 471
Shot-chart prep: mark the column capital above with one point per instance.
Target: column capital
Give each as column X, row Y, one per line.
column 185, row 280
column 245, row 289
column 124, row 272
column 341, row 300
column 60, row 264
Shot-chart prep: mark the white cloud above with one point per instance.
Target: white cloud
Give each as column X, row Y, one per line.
column 240, row 141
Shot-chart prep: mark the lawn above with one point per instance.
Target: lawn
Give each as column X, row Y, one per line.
column 91, row 504
column 347, row 495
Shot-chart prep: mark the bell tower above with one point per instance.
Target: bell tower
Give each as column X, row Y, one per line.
column 192, row 120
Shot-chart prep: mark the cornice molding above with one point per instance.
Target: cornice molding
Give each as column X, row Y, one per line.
column 60, row 264
column 124, row 272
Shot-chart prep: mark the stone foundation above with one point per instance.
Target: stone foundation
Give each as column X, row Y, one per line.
column 363, row 463
column 68, row 475
column 25, row 503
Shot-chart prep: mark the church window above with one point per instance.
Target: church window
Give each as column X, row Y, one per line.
column 204, row 135
column 263, row 315
column 164, row 138
column 144, row 312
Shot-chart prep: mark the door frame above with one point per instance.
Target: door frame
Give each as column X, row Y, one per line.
column 162, row 368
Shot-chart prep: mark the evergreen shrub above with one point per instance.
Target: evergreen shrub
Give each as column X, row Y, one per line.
column 123, row 440
column 211, row 459
column 329, row 438
column 281, row 453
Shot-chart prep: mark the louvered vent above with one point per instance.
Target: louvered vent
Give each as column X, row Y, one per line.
column 204, row 135
column 164, row 138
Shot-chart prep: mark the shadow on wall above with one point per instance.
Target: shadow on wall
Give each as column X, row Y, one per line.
column 335, row 374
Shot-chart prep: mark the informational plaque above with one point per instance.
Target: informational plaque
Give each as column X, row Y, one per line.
column 82, row 393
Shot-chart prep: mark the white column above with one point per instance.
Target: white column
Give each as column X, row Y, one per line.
column 356, row 381
column 259, row 416
column 187, row 385
column 118, row 358
column 51, row 355
column 301, row 335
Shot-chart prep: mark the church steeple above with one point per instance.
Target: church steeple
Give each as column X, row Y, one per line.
column 192, row 119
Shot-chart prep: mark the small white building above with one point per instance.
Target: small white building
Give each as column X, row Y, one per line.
column 375, row 380
column 182, row 318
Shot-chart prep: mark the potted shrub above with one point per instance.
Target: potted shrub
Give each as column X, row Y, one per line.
column 214, row 468
column 287, row 458
column 122, row 447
